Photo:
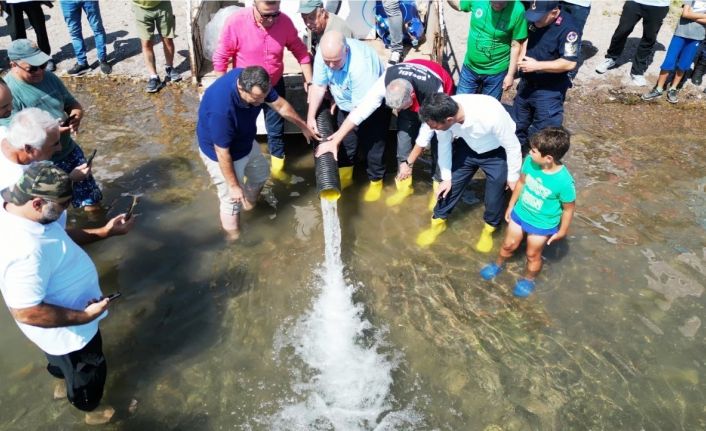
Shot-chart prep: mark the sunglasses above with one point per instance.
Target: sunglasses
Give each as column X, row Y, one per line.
column 32, row 69
column 272, row 15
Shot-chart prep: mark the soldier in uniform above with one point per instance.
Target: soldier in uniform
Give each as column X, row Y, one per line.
column 552, row 52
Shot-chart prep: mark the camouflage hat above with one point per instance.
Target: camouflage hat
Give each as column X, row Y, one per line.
column 40, row 180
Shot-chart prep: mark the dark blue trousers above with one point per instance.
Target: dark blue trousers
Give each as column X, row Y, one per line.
column 466, row 163
column 536, row 108
column 274, row 124
column 370, row 137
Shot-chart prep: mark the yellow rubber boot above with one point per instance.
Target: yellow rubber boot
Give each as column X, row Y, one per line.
column 346, row 175
column 428, row 236
column 277, row 169
column 485, row 242
column 404, row 189
column 373, row 192
column 432, row 198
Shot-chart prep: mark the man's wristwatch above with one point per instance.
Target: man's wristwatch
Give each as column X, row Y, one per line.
column 407, row 163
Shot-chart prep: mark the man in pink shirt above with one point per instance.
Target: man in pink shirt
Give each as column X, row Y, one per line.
column 257, row 36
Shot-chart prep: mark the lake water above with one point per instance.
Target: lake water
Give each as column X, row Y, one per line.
column 272, row 332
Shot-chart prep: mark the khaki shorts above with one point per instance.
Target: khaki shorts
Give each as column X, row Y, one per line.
column 161, row 17
column 252, row 171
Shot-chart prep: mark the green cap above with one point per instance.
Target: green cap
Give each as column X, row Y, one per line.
column 308, row 6
column 28, row 51
column 40, row 180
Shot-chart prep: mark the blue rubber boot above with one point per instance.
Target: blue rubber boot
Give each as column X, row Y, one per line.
column 523, row 288
column 490, row 271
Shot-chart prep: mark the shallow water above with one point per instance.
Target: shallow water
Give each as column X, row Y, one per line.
column 216, row 335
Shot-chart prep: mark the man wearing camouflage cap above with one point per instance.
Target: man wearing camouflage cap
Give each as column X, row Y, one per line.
column 50, row 285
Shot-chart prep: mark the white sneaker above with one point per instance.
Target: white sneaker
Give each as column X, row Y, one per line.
column 638, row 80
column 607, row 64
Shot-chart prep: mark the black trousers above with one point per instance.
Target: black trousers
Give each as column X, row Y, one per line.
column 371, row 136
column 35, row 14
column 84, row 372
column 652, row 17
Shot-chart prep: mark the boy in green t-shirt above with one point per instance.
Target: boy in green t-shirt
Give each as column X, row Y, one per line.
column 495, row 37
column 542, row 205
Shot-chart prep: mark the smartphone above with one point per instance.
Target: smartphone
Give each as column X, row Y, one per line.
column 66, row 122
column 113, row 296
column 90, row 158
column 131, row 208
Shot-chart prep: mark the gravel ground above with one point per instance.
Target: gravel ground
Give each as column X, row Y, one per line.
column 125, row 54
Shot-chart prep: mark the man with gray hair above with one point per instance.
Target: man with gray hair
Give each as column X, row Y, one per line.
column 33, row 136
column 404, row 87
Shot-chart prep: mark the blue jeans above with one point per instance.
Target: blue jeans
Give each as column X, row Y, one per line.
column 274, row 124
column 71, row 10
column 470, row 82
column 536, row 108
column 466, row 163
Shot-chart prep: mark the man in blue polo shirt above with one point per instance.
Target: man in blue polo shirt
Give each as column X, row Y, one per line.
column 349, row 68
column 552, row 52
column 226, row 132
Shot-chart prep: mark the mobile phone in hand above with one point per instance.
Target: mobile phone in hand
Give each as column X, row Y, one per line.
column 66, row 122
column 130, row 209
column 113, row 296
column 90, row 158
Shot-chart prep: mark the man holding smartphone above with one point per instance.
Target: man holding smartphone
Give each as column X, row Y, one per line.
column 50, row 285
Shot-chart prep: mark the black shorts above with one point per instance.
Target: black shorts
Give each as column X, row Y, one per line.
column 84, row 372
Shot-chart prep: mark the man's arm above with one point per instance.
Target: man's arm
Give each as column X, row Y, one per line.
column 445, row 139
column 52, row 316
column 405, row 169
column 225, row 50
column 308, row 73
column 75, row 112
column 560, row 65
column 316, row 97
column 505, row 133
column 367, row 106
column 225, row 163
column 115, row 226
column 286, row 110
column 516, row 48
column 688, row 13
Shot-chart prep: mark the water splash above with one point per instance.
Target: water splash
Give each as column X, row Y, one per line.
column 347, row 386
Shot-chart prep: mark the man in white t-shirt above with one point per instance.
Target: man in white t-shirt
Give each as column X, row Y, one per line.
column 474, row 132
column 50, row 285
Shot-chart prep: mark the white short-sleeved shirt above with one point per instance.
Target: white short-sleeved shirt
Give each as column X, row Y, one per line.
column 40, row 263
